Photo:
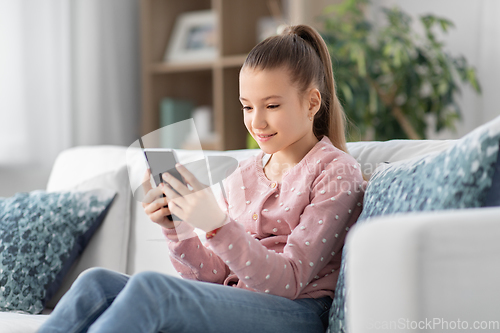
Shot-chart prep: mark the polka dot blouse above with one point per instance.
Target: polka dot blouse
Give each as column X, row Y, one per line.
column 280, row 238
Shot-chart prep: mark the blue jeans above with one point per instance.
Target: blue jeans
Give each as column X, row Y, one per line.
column 101, row 300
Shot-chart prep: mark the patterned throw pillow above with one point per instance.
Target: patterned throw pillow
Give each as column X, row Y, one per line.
column 41, row 234
column 460, row 177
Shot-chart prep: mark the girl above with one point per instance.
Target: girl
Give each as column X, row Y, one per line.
column 274, row 249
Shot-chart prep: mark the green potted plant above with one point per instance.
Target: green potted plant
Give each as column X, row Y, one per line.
column 391, row 79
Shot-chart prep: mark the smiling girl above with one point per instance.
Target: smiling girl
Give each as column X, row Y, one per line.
column 274, row 242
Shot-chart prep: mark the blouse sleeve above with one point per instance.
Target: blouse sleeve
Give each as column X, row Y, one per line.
column 191, row 258
column 335, row 200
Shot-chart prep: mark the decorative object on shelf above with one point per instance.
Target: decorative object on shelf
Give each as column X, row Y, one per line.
column 268, row 26
column 390, row 78
column 202, row 129
column 203, row 119
column 193, row 38
column 172, row 111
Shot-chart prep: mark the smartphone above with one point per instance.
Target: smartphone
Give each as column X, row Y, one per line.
column 160, row 161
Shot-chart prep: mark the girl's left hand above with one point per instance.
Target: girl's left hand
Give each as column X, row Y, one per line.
column 198, row 206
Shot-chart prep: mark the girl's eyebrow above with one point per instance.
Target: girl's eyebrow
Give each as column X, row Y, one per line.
column 264, row 99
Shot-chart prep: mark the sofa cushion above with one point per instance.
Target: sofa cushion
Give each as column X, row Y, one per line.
column 41, row 234
column 459, row 177
column 493, row 196
column 372, row 154
column 108, row 247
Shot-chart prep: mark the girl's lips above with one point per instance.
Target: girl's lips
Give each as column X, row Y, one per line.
column 264, row 138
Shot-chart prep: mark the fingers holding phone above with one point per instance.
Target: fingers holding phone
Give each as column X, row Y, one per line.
column 197, row 206
column 156, row 207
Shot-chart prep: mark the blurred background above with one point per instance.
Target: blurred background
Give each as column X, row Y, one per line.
column 105, row 72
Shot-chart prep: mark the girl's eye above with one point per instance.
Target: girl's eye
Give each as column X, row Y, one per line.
column 246, row 108
column 273, row 106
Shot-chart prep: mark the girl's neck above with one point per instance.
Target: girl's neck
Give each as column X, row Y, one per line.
column 283, row 160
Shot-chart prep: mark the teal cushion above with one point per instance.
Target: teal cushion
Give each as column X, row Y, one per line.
column 41, row 235
column 459, row 177
column 493, row 196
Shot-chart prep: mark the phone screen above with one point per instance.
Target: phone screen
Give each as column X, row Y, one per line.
column 161, row 162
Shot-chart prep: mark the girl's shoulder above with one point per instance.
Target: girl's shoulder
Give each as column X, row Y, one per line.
column 327, row 161
column 327, row 153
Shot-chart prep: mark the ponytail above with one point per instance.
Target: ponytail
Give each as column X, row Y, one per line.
column 303, row 51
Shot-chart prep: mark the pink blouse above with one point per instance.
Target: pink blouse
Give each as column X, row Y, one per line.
column 280, row 238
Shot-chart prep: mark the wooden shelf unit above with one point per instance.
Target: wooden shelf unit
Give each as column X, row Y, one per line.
column 213, row 83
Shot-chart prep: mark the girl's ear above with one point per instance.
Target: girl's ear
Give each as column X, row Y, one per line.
column 314, row 101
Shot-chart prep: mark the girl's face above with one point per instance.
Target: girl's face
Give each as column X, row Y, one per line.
column 276, row 114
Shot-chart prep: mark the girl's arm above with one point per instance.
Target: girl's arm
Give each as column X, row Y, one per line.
column 191, row 259
column 319, row 235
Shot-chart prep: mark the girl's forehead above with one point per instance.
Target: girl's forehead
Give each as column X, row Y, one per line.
column 264, row 79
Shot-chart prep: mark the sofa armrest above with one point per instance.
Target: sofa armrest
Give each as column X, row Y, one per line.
column 432, row 269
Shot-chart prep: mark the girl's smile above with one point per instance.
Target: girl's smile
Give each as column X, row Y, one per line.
column 264, row 137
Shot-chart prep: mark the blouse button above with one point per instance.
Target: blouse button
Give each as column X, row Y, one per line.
column 275, row 229
column 255, row 216
column 273, row 184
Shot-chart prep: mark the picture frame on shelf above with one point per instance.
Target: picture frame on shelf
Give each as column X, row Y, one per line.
column 194, row 38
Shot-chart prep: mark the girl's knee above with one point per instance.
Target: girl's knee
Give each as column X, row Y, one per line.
column 152, row 281
column 97, row 275
column 94, row 273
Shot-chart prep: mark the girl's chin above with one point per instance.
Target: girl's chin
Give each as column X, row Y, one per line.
column 267, row 149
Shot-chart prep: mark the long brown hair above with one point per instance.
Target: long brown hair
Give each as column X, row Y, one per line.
column 302, row 50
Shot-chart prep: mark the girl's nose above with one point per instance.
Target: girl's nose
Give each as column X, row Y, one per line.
column 258, row 120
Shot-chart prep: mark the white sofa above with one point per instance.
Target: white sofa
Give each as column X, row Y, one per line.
column 423, row 268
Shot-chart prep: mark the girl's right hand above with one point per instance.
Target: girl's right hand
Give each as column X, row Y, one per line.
column 154, row 204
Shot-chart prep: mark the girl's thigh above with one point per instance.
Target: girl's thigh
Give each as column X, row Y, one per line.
column 194, row 306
